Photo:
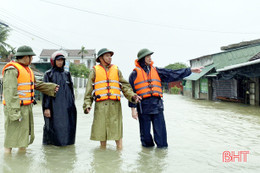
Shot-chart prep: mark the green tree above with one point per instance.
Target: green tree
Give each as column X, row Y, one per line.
column 79, row 70
column 176, row 66
column 4, row 33
column 82, row 52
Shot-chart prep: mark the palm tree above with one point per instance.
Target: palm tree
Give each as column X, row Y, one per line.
column 3, row 37
column 82, row 52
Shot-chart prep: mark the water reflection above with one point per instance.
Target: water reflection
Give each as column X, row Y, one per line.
column 152, row 160
column 198, row 132
column 16, row 162
column 59, row 159
column 106, row 160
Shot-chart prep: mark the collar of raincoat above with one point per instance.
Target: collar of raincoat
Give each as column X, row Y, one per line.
column 141, row 64
column 106, row 67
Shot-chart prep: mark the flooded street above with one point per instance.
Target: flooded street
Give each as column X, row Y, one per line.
column 198, row 133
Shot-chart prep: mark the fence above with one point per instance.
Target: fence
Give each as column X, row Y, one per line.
column 79, row 82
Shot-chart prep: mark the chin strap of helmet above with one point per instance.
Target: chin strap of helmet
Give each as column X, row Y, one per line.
column 105, row 61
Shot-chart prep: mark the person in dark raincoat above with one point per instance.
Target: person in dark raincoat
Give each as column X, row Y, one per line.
column 60, row 112
column 146, row 82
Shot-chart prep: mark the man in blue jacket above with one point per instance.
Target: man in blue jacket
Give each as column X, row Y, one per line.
column 146, row 82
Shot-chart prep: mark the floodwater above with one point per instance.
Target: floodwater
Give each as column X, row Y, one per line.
column 198, row 133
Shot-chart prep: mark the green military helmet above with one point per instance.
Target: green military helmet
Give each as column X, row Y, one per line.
column 102, row 52
column 143, row 53
column 24, row 51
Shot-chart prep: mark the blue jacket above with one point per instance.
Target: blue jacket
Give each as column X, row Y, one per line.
column 154, row 105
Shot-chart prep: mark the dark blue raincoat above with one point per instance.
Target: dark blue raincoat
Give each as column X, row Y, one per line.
column 60, row 128
column 152, row 107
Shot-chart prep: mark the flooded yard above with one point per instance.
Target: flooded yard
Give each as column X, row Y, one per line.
column 198, row 133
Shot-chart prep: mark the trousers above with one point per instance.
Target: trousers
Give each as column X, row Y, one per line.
column 159, row 130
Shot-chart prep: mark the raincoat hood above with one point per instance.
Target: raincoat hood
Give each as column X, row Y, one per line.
column 58, row 54
column 141, row 64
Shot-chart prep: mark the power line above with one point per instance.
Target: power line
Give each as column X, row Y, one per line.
column 3, row 24
column 32, row 34
column 147, row 23
column 25, row 23
column 12, row 26
column 19, row 29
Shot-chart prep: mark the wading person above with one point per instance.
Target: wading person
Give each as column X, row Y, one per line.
column 60, row 112
column 104, row 84
column 18, row 90
column 146, row 82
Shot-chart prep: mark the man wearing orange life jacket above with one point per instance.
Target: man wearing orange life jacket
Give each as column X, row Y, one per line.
column 104, row 86
column 18, row 89
column 146, row 82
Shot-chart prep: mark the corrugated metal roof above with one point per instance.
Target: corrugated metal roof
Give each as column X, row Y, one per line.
column 239, row 65
column 196, row 76
column 241, row 44
column 237, row 56
column 212, row 75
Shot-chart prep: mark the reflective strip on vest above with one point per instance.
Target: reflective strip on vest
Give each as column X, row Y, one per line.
column 150, row 92
column 31, row 83
column 118, row 95
column 105, row 81
column 147, row 81
column 105, row 88
column 26, row 98
column 147, row 87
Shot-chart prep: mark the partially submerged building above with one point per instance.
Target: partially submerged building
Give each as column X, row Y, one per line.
column 231, row 75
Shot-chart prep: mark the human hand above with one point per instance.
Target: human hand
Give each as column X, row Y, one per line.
column 47, row 113
column 57, row 88
column 197, row 69
column 134, row 113
column 136, row 98
column 87, row 110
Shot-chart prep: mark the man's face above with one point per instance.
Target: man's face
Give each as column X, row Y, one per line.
column 107, row 58
column 148, row 60
column 59, row 62
column 28, row 59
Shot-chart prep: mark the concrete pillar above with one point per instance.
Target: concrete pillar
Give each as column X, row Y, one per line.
column 257, row 91
column 252, row 93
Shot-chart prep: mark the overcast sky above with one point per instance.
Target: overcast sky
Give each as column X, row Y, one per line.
column 175, row 30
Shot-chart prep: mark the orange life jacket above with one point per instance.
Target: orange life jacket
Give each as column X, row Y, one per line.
column 106, row 85
column 147, row 85
column 25, row 82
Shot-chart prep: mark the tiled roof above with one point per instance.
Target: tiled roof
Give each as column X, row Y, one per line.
column 71, row 52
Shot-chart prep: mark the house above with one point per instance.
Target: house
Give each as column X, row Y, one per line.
column 230, row 75
column 197, row 84
column 89, row 58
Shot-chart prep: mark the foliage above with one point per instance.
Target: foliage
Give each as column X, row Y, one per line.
column 176, row 66
column 175, row 90
column 4, row 32
column 79, row 70
column 82, row 52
